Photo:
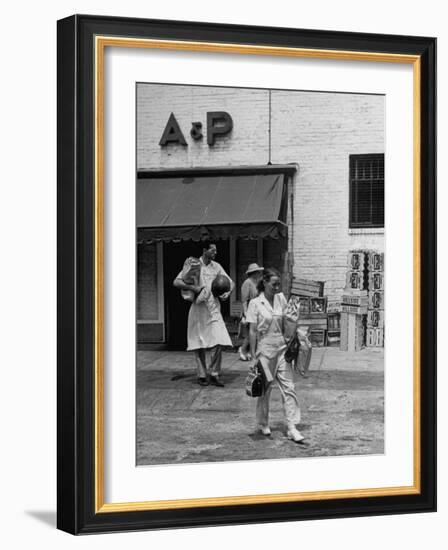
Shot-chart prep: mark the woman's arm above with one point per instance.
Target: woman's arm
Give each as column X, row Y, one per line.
column 244, row 309
column 253, row 338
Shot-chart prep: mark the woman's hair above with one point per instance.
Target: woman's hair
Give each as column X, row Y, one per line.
column 267, row 274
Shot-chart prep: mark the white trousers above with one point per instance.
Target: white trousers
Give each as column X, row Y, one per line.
column 283, row 375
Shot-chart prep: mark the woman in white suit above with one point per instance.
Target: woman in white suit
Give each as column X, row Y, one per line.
column 265, row 317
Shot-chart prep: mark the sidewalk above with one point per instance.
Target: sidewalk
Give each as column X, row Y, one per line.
column 342, row 405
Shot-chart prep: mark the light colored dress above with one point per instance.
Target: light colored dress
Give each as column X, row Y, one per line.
column 271, row 348
column 206, row 327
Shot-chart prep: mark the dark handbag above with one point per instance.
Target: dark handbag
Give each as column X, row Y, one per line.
column 292, row 349
column 254, row 381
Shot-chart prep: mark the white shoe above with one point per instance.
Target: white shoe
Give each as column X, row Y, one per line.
column 242, row 356
column 265, row 430
column 295, row 435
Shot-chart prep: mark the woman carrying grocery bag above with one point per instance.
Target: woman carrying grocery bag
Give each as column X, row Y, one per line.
column 265, row 316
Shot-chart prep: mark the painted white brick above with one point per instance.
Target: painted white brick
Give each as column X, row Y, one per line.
column 316, row 130
column 246, row 144
column 319, row 131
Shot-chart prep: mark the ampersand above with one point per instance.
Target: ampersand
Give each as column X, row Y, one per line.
column 196, row 130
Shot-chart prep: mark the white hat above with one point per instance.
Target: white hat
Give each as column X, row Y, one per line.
column 253, row 267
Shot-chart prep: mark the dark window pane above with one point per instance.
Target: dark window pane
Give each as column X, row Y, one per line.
column 378, row 203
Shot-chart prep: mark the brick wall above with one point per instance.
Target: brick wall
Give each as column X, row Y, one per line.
column 318, row 131
column 246, row 144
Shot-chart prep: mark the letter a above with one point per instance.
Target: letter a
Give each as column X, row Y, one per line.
column 172, row 133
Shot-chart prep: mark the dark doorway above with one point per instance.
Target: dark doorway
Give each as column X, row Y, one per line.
column 176, row 308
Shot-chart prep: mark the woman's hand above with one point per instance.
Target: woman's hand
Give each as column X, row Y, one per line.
column 224, row 296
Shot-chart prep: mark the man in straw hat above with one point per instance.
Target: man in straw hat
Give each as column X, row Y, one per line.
column 248, row 291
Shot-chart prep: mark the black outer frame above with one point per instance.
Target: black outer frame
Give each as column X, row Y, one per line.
column 75, row 402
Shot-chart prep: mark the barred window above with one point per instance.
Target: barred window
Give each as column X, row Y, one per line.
column 366, row 191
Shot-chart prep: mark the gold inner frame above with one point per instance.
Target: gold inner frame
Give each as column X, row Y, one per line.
column 101, row 42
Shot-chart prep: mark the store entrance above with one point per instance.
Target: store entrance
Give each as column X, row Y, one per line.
column 176, row 308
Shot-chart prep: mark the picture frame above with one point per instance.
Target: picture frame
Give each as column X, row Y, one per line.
column 82, row 41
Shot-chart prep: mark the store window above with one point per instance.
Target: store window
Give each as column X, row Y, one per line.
column 366, row 191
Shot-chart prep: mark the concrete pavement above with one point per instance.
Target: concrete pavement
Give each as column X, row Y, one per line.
column 342, row 405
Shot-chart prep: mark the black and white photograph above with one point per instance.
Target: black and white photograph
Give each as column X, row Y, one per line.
column 260, row 314
column 287, row 149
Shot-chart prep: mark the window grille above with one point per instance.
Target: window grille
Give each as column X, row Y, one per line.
column 366, row 191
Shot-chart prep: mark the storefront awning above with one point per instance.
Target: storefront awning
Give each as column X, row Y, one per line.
column 213, row 207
